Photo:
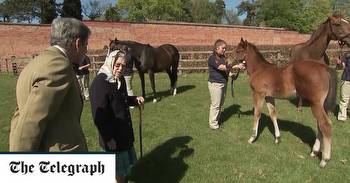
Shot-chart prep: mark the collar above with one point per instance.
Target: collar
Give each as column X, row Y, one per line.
column 62, row 50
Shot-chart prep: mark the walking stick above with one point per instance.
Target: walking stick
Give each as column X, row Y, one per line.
column 140, row 128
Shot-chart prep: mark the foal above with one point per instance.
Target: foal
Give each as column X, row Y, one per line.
column 311, row 80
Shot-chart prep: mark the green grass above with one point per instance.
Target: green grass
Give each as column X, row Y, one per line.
column 179, row 146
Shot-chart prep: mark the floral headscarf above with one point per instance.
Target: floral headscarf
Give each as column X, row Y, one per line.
column 107, row 67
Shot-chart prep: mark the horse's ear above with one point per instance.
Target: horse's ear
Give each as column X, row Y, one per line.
column 242, row 41
column 334, row 19
column 115, row 39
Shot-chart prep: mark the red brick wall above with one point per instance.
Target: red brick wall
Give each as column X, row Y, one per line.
column 25, row 40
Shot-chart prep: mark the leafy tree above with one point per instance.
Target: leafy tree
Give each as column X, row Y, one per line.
column 232, row 18
column 175, row 10
column 220, row 8
column 72, row 8
column 112, row 13
column 6, row 12
column 249, row 8
column 94, row 9
column 341, row 7
column 134, row 10
column 204, row 11
column 47, row 11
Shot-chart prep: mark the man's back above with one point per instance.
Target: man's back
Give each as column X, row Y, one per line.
column 49, row 106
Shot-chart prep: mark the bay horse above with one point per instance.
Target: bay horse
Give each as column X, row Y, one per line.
column 152, row 60
column 310, row 79
column 334, row 28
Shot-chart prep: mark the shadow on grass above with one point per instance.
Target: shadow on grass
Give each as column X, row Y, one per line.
column 165, row 163
column 305, row 133
column 166, row 93
column 229, row 112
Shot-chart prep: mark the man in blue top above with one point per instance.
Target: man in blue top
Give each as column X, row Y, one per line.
column 344, row 61
column 218, row 76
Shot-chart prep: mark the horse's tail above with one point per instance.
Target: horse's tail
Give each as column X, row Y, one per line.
column 331, row 99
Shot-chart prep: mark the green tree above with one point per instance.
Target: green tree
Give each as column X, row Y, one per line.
column 341, row 7
column 72, row 8
column 204, row 11
column 232, row 18
column 112, row 13
column 174, row 10
column 94, row 9
column 6, row 12
column 47, row 11
column 250, row 9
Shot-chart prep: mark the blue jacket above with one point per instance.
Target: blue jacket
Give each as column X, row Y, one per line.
column 346, row 60
column 216, row 75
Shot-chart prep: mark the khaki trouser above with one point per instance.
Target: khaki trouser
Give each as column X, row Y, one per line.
column 217, row 96
column 84, row 85
column 344, row 100
column 128, row 81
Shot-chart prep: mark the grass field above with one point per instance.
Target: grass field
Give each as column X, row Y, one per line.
column 179, row 146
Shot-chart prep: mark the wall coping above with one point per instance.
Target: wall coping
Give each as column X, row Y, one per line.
column 162, row 23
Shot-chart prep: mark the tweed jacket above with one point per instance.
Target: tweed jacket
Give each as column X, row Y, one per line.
column 49, row 106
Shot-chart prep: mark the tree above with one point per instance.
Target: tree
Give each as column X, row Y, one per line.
column 72, row 8
column 47, row 11
column 175, row 10
column 231, row 17
column 94, row 9
column 341, row 7
column 220, row 8
column 5, row 11
column 112, row 13
column 204, row 11
column 249, row 8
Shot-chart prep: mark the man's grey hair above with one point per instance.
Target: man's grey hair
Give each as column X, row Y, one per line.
column 64, row 31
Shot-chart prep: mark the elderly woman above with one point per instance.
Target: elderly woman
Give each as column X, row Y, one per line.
column 110, row 110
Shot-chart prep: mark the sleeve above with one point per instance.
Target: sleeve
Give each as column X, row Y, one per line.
column 48, row 91
column 101, row 111
column 132, row 101
column 213, row 63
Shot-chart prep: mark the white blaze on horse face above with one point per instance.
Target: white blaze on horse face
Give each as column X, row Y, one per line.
column 344, row 21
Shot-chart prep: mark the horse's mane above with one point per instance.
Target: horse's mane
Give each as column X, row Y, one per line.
column 318, row 32
column 258, row 53
column 128, row 43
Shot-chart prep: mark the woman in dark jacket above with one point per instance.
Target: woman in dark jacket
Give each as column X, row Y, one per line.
column 110, row 110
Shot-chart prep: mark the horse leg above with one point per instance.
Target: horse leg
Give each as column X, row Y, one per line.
column 142, row 79
column 325, row 127
column 300, row 103
column 151, row 78
column 270, row 102
column 258, row 102
column 168, row 71
column 317, row 145
column 174, row 77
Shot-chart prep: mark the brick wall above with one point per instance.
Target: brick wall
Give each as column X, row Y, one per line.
column 25, row 40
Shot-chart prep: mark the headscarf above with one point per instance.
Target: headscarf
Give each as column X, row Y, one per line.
column 107, row 67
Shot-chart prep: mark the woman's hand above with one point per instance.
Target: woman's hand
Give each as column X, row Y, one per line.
column 239, row 66
column 112, row 145
column 140, row 100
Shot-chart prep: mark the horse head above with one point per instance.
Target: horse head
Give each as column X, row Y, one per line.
column 340, row 29
column 117, row 45
column 241, row 51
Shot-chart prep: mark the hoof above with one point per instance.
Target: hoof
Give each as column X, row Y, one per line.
column 314, row 154
column 251, row 139
column 323, row 163
column 277, row 140
column 155, row 101
column 174, row 92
